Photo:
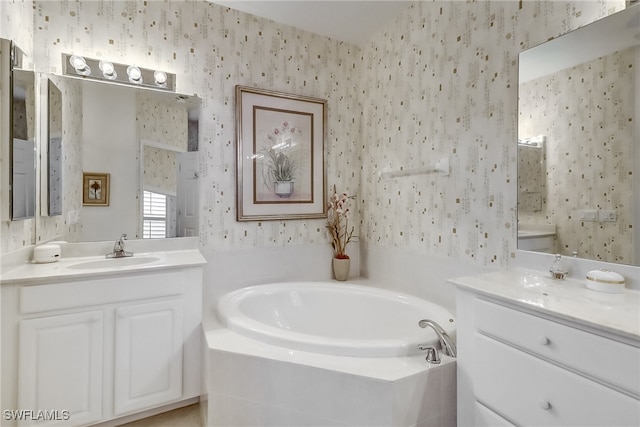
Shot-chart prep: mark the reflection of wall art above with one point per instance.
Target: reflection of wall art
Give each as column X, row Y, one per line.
column 280, row 155
column 95, row 189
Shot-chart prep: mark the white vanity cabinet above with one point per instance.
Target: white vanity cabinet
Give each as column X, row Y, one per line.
column 520, row 365
column 98, row 349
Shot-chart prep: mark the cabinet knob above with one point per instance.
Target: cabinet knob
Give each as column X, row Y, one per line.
column 545, row 405
column 543, row 340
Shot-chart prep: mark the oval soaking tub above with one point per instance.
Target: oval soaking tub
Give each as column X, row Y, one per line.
column 331, row 318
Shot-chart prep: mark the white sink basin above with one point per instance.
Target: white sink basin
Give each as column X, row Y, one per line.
column 113, row 263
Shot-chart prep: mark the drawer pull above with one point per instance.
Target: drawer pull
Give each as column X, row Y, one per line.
column 545, row 405
column 543, row 340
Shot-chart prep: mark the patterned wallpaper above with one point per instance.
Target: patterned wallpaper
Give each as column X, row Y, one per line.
column 438, row 81
column 160, row 170
column 162, row 119
column 212, row 49
column 16, row 23
column 532, row 182
column 589, row 146
column 442, row 82
column 54, row 149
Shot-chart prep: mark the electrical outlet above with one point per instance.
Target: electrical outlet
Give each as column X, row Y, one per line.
column 588, row 215
column 607, row 216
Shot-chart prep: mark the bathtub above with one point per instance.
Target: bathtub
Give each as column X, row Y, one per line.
column 333, row 318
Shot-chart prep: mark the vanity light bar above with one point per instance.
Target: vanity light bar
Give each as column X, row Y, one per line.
column 80, row 66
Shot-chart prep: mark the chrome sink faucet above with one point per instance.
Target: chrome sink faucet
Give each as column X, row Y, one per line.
column 447, row 344
column 118, row 249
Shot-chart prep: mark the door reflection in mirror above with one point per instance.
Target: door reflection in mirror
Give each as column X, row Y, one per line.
column 23, row 154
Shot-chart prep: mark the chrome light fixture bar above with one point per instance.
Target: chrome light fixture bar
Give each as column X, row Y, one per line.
column 80, row 66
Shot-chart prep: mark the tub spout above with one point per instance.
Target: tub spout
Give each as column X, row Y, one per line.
column 447, row 344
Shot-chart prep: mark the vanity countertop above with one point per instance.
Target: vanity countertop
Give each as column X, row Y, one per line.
column 76, row 268
column 569, row 299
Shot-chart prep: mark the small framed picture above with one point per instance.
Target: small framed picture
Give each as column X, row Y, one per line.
column 95, row 189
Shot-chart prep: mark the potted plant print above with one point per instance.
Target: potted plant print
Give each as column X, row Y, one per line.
column 283, row 159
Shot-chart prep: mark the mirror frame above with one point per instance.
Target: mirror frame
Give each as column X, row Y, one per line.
column 34, row 130
column 6, row 61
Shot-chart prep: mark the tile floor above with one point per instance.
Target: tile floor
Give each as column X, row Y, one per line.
column 189, row 416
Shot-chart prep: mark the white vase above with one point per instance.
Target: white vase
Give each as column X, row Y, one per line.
column 341, row 268
column 283, row 188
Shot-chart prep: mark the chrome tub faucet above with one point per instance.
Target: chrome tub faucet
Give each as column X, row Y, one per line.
column 118, row 249
column 447, row 344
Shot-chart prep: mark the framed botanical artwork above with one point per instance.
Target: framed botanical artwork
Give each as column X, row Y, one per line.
column 280, row 155
column 95, row 189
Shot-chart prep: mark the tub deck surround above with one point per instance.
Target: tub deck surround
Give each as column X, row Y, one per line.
column 250, row 383
column 378, row 368
column 333, row 318
column 161, row 255
column 567, row 299
column 265, row 382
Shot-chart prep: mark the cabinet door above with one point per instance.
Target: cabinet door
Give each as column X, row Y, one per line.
column 60, row 369
column 148, row 355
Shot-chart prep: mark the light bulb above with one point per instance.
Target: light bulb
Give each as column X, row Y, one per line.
column 134, row 73
column 160, row 77
column 108, row 70
column 80, row 65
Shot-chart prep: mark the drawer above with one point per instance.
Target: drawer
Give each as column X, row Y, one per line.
column 85, row 293
column 530, row 391
column 605, row 359
column 485, row 417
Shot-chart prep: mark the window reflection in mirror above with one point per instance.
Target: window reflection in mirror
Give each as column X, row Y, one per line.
column 579, row 91
column 23, row 155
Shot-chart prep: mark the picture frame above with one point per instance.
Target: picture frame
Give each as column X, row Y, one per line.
column 280, row 155
column 95, row 189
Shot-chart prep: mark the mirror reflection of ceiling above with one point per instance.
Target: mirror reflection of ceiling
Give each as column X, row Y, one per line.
column 585, row 112
column 613, row 33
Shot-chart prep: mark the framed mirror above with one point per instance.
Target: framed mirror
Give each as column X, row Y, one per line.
column 54, row 149
column 22, row 182
column 5, row 127
column 578, row 161
column 127, row 153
